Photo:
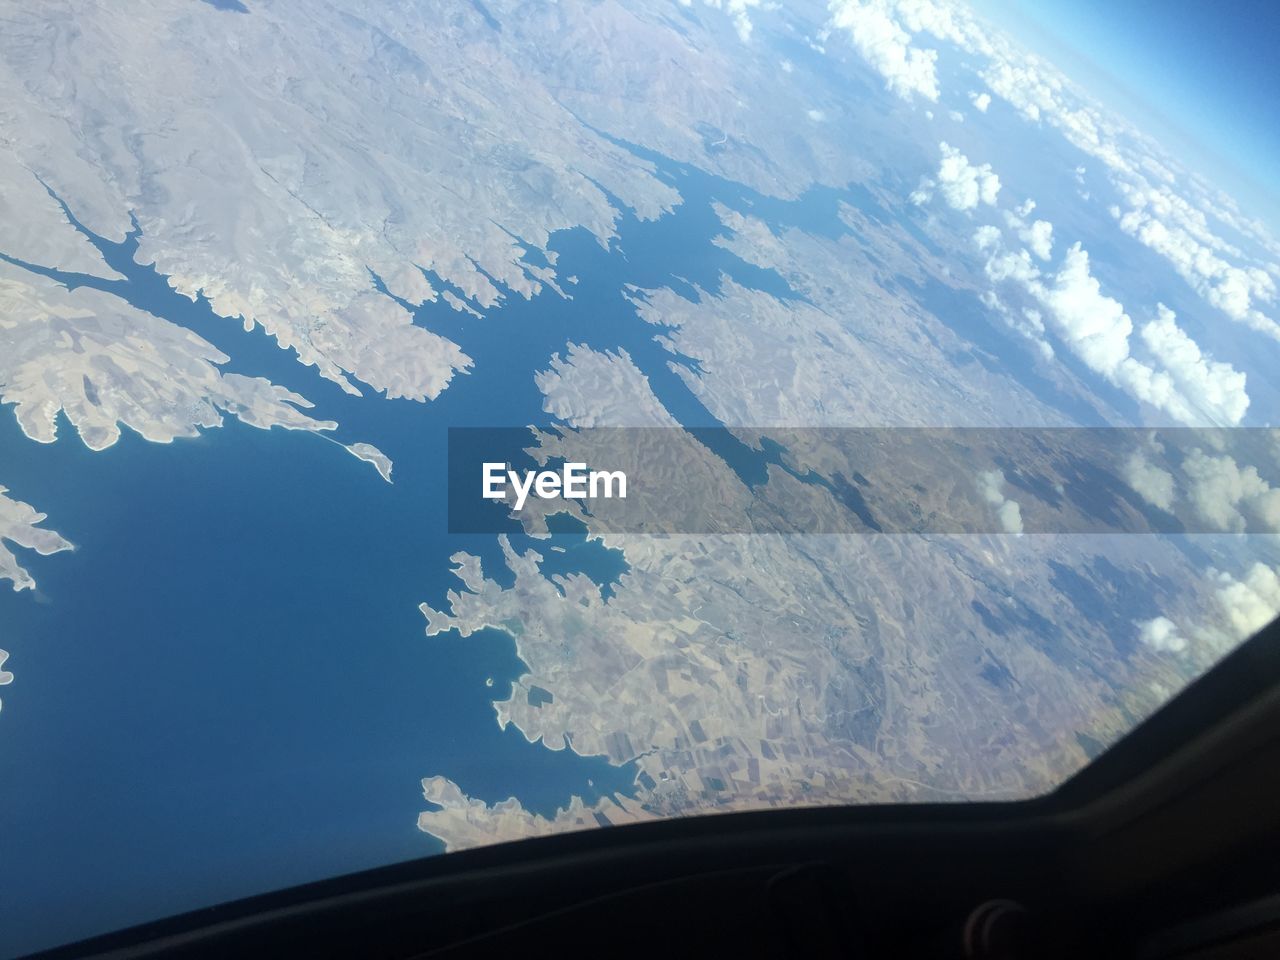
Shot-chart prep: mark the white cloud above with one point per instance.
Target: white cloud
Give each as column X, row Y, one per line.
column 885, row 45
column 817, row 116
column 1094, row 325
column 1039, row 237
column 1228, row 497
column 1152, row 483
column 786, row 66
column 1250, row 604
column 1011, row 266
column 1215, row 389
column 1002, row 265
column 962, row 184
column 1170, row 210
column 1161, row 634
column 1179, row 379
column 1167, row 224
column 737, row 11
column 1242, row 607
column 991, row 487
column 1032, row 326
column 1010, row 515
column 1167, row 208
column 956, row 116
column 1184, row 383
column 980, row 100
column 986, row 237
column 1223, row 496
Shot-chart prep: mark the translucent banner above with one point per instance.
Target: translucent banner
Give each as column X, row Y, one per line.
column 867, row 480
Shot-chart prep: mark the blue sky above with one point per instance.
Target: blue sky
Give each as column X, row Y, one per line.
column 1203, row 77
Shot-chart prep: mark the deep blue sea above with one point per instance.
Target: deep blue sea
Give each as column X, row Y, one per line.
column 227, row 688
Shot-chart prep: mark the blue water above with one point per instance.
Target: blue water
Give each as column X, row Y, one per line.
column 570, row 550
column 227, row 689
